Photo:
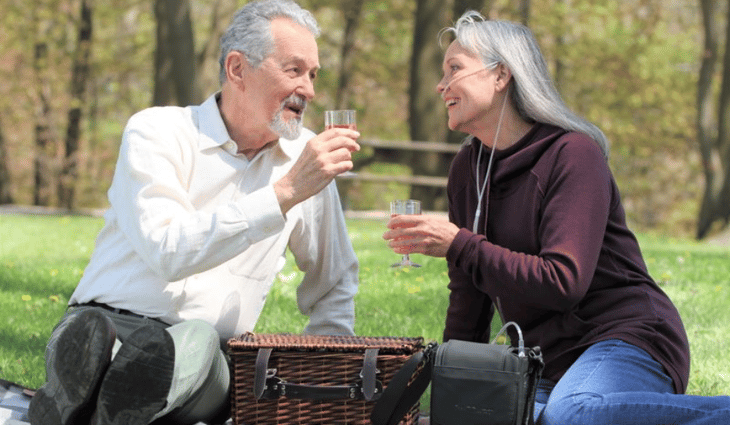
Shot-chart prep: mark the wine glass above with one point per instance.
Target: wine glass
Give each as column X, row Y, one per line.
column 405, row 206
column 342, row 118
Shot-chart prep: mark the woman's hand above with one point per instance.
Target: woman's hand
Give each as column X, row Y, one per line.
column 422, row 234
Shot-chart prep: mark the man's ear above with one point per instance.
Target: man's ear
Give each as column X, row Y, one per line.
column 504, row 75
column 236, row 66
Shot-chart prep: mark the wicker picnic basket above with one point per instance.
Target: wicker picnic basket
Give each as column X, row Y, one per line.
column 313, row 379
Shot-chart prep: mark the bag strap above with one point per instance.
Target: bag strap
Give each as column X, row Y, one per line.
column 536, row 365
column 399, row 396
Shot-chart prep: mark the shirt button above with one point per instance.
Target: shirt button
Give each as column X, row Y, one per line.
column 230, row 146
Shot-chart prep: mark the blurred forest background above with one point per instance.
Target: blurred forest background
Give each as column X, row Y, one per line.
column 650, row 73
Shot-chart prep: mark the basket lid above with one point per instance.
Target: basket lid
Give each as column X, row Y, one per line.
column 343, row 343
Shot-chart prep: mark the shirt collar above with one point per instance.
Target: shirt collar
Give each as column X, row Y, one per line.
column 292, row 148
column 210, row 122
column 215, row 134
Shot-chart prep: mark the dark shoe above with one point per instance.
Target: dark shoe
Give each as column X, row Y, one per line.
column 76, row 362
column 136, row 385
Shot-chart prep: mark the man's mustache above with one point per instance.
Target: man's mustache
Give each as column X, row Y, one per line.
column 295, row 102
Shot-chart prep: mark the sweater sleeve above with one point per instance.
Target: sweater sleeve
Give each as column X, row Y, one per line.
column 574, row 200
column 470, row 311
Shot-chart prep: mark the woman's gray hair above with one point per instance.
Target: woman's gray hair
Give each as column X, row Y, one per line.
column 534, row 94
column 250, row 30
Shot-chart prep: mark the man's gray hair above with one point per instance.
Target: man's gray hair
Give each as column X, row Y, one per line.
column 534, row 94
column 250, row 30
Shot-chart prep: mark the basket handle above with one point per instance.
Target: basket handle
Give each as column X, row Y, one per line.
column 368, row 372
column 262, row 372
column 268, row 386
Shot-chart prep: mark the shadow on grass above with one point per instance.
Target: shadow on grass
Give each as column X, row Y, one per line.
column 28, row 279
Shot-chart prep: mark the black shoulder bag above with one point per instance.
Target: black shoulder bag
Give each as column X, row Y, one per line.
column 471, row 383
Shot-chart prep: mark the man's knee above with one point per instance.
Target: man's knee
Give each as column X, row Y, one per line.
column 195, row 339
column 201, row 366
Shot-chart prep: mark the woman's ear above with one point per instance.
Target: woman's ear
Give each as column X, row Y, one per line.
column 504, row 75
column 235, row 65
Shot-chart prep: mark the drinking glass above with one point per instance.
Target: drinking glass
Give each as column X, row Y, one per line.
column 405, row 206
column 342, row 118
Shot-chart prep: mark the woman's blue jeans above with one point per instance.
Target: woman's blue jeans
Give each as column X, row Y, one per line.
column 616, row 383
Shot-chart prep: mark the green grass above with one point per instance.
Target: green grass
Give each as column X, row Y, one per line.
column 43, row 257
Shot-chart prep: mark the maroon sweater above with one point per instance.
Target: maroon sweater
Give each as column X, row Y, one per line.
column 557, row 257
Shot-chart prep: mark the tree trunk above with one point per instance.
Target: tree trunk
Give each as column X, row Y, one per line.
column 6, row 196
column 175, row 55
column 481, row 6
column 427, row 119
column 351, row 9
column 707, row 134
column 80, row 74
column 427, row 115
column 525, row 12
column 43, row 169
column 722, row 200
column 206, row 71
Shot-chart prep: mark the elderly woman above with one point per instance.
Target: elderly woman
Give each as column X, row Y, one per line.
column 536, row 230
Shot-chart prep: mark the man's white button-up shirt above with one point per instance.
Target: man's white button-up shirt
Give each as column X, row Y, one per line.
column 194, row 230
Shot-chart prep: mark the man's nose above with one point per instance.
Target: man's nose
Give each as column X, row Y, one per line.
column 307, row 88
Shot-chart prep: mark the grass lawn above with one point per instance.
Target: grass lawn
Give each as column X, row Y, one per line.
column 43, row 257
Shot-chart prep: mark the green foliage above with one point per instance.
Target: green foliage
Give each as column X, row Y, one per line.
column 630, row 67
column 380, row 71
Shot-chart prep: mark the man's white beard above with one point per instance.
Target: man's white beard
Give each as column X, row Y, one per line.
column 288, row 129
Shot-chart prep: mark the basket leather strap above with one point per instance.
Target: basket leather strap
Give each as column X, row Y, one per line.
column 261, row 373
column 267, row 385
column 369, row 370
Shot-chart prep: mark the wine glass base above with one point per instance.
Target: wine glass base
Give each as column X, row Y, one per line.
column 405, row 265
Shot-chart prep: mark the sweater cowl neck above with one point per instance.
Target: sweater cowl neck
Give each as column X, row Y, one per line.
column 520, row 155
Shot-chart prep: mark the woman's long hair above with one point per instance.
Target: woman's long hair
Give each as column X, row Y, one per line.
column 534, row 94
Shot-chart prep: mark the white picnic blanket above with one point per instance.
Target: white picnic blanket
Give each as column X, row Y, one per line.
column 14, row 401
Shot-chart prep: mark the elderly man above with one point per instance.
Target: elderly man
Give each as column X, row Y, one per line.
column 204, row 202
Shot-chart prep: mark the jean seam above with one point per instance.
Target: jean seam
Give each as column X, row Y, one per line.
column 614, row 346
